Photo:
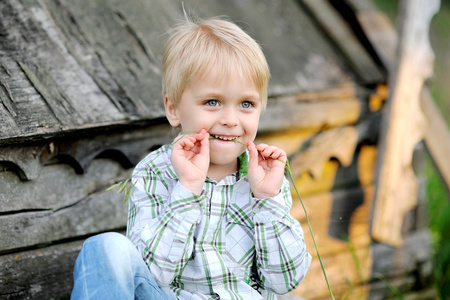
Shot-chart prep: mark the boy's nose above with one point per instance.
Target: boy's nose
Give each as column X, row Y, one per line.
column 229, row 118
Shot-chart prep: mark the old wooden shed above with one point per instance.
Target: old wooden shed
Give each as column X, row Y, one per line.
column 81, row 105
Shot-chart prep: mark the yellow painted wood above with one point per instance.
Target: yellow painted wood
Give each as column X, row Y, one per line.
column 288, row 140
column 344, row 270
column 376, row 100
column 366, row 165
column 307, row 185
column 318, row 208
column 338, row 142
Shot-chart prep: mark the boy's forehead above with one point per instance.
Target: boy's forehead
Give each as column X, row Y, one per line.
column 220, row 73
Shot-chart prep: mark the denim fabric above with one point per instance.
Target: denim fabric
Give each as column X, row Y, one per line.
column 110, row 267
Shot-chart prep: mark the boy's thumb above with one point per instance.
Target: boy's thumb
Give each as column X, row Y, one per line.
column 253, row 155
column 204, row 144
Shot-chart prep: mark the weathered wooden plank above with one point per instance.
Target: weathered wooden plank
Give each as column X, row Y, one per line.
column 44, row 273
column 403, row 123
column 338, row 142
column 6, row 97
column 45, row 47
column 346, row 268
column 352, row 220
column 58, row 186
column 78, row 151
column 34, row 32
column 117, row 48
column 341, row 33
column 284, row 115
column 377, row 28
column 57, row 101
column 437, row 136
column 100, row 211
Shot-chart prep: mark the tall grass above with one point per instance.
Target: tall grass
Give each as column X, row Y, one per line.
column 439, row 223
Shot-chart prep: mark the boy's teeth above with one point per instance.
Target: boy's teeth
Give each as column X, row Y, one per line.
column 224, row 138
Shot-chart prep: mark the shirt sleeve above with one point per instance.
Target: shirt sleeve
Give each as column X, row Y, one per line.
column 282, row 258
column 161, row 222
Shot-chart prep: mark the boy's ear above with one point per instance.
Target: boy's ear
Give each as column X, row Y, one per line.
column 171, row 111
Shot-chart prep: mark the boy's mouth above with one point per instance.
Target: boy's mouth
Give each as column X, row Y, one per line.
column 224, row 138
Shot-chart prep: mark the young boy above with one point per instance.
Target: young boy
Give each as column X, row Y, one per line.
column 209, row 213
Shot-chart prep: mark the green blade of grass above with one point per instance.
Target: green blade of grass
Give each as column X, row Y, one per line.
column 310, row 229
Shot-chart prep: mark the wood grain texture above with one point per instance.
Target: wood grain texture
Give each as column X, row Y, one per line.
column 342, row 34
column 40, row 273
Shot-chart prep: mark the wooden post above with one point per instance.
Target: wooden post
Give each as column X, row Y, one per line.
column 403, row 122
column 437, row 136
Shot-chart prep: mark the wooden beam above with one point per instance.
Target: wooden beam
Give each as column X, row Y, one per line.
column 337, row 142
column 341, row 33
column 101, row 212
column 312, row 110
column 403, row 123
column 40, row 273
column 60, row 205
column 378, row 29
column 437, row 136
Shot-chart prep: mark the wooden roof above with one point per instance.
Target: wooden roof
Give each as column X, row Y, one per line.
column 71, row 67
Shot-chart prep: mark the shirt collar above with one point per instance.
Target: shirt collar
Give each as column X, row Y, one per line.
column 243, row 164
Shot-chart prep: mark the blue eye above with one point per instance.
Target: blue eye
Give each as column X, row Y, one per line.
column 212, row 102
column 246, row 104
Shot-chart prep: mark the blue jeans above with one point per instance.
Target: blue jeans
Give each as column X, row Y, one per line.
column 110, row 267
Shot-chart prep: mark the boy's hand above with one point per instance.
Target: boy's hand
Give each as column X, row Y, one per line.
column 266, row 170
column 190, row 160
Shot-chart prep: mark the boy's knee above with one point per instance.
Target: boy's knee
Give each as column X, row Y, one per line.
column 107, row 238
column 109, row 243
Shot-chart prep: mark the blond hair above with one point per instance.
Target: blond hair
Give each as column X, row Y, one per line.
column 194, row 47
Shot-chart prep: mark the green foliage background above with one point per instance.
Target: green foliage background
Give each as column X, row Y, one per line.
column 437, row 193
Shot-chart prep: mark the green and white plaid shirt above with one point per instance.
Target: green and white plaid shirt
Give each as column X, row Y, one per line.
column 223, row 244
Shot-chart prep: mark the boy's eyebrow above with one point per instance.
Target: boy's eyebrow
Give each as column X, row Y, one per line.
column 212, row 94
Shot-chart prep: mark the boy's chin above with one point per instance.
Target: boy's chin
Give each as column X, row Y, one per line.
column 224, row 159
column 225, row 149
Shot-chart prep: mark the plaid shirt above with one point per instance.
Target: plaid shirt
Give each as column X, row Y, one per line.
column 222, row 244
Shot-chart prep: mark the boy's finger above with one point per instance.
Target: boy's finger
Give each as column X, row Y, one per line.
column 253, row 155
column 272, row 152
column 262, row 147
column 204, row 143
